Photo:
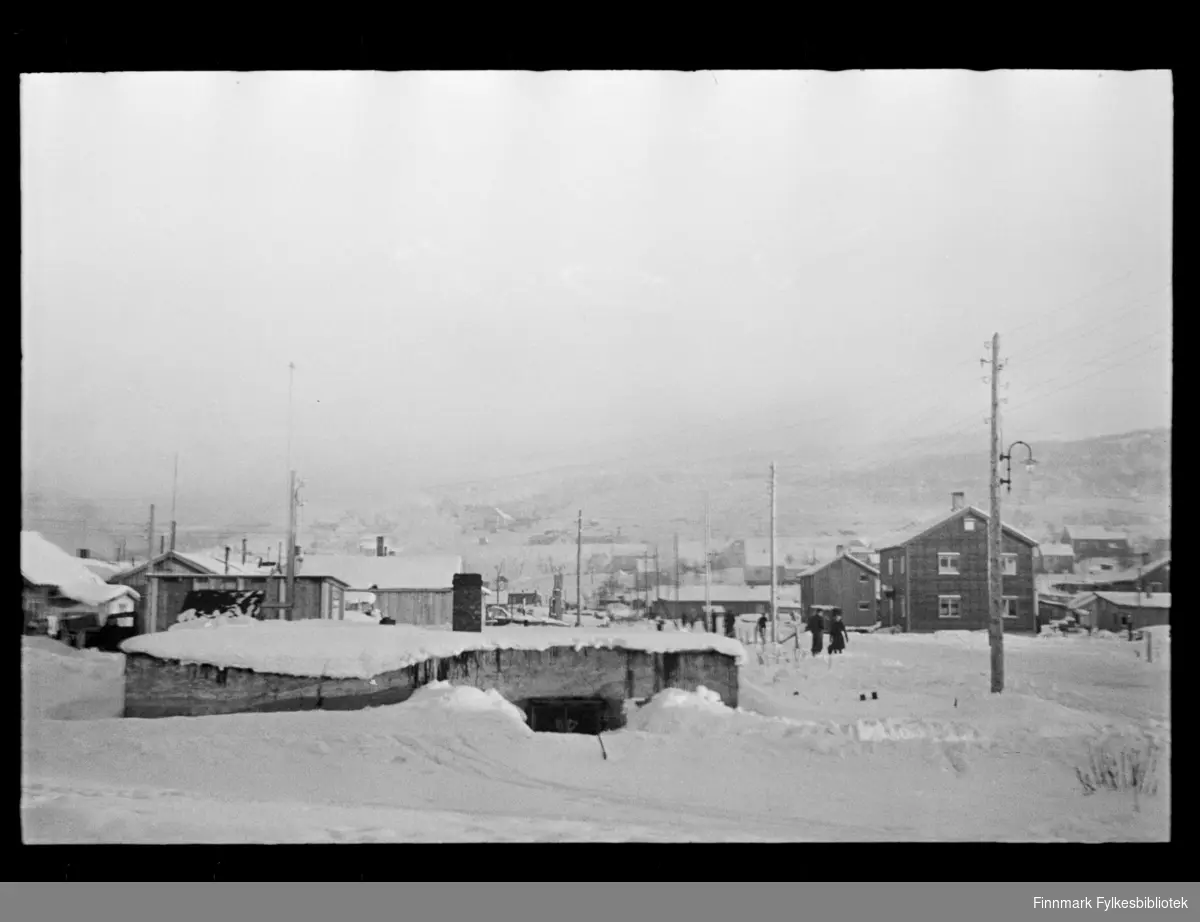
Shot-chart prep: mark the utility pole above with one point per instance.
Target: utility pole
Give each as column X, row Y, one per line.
column 1141, row 566
column 243, row 551
column 995, row 572
column 707, row 571
column 676, row 574
column 174, row 488
column 774, row 576
column 657, row 593
column 578, row 569
column 291, row 546
column 150, row 553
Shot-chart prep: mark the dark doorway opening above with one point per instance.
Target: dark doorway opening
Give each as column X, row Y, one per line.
column 568, row 715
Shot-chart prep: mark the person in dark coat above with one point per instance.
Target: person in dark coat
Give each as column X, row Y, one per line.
column 837, row 634
column 816, row 627
column 762, row 629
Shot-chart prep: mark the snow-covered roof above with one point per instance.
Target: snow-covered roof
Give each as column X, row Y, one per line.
column 382, row 573
column 912, row 532
column 1134, row 600
column 1133, row 572
column 208, row 561
column 340, row 649
column 1056, row 550
column 873, row 571
column 46, row 564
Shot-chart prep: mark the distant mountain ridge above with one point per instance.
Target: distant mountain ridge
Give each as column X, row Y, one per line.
column 1120, row 480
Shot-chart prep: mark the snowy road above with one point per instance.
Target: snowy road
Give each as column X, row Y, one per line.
column 814, row 763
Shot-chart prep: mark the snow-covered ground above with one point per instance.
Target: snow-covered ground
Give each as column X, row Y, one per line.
column 934, row 756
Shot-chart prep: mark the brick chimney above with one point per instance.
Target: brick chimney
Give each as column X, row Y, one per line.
column 957, row 501
column 838, row 552
column 379, row 551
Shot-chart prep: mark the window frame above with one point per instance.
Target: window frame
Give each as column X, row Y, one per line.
column 968, row 523
column 957, row 571
column 1004, row 561
column 1010, row 604
column 864, row 606
column 891, row 561
column 957, row 599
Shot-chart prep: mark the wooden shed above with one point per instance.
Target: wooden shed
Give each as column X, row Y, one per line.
column 317, row 596
column 409, row 590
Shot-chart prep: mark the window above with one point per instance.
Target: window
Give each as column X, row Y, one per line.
column 864, row 606
column 1156, row 587
column 1113, row 544
column 968, row 524
column 890, row 562
column 1010, row 607
column 902, row 559
column 949, row 606
column 862, row 578
column 947, row 564
column 1009, row 562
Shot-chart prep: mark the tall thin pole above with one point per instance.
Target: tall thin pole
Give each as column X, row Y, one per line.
column 150, row 554
column 676, row 574
column 578, row 569
column 707, row 571
column 174, row 493
column 291, row 546
column 291, row 379
column 995, row 573
column 657, row 593
column 774, row 577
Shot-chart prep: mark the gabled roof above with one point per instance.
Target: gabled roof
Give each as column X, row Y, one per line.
column 1056, row 550
column 201, row 561
column 46, row 564
column 815, row 568
column 1082, row 600
column 368, row 574
column 1133, row 600
column 904, row 536
column 1093, row 533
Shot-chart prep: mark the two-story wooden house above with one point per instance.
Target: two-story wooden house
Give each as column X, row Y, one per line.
column 847, row 582
column 935, row 576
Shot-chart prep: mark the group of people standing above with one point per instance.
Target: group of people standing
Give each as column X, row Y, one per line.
column 837, row 632
column 816, row 627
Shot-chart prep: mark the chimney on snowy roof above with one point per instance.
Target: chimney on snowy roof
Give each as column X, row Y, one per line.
column 957, row 501
column 379, row 551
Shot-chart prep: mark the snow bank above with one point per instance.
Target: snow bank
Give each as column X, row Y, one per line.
column 673, row 710
column 341, row 649
column 62, row 683
column 465, row 699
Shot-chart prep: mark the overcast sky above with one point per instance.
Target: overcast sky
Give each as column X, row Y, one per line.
column 481, row 271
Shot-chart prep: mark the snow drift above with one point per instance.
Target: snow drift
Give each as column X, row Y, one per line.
column 340, row 649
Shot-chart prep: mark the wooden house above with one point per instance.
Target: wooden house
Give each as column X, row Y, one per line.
column 846, row 582
column 1118, row 611
column 1089, row 541
column 935, row 575
column 409, row 590
column 1055, row 558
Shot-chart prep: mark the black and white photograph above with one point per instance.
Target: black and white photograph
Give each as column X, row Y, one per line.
column 591, row 456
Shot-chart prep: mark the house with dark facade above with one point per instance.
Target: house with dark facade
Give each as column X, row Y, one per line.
column 935, row 575
column 1055, row 558
column 1088, row 542
column 1120, row 611
column 846, row 582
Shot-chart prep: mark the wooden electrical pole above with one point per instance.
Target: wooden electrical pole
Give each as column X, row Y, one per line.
column 578, row 569
column 174, row 489
column 657, row 594
column 774, row 577
column 995, row 532
column 676, row 575
column 707, row 571
column 291, row 547
column 150, row 549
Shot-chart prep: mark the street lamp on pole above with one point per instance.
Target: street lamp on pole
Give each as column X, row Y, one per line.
column 1006, row 457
